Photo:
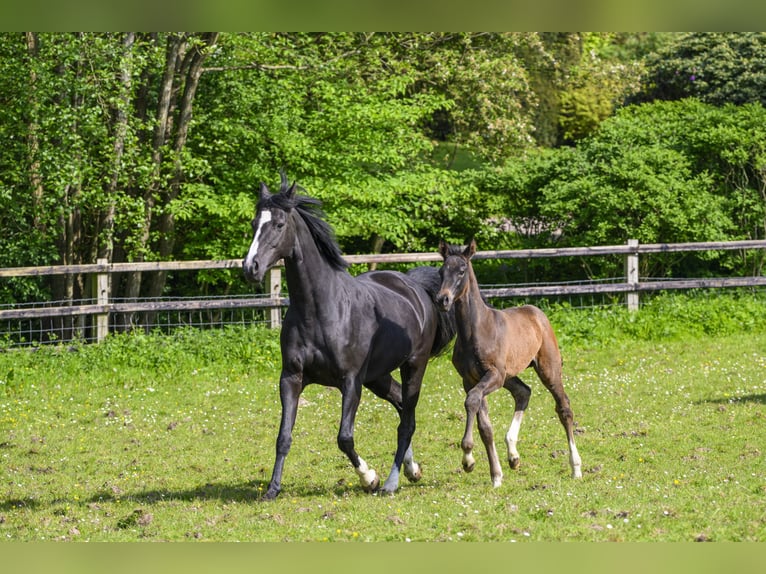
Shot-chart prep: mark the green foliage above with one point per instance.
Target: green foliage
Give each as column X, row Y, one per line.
column 365, row 121
column 661, row 172
column 717, row 68
column 595, row 86
column 411, row 211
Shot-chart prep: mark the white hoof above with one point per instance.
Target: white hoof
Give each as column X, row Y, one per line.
column 370, row 481
column 412, row 471
column 468, row 462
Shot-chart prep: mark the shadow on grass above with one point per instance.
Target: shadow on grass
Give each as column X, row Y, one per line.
column 754, row 398
column 18, row 503
column 248, row 492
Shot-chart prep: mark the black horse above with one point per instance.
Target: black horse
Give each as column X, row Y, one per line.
column 344, row 331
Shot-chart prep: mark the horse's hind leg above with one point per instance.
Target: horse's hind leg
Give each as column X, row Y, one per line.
column 550, row 374
column 390, row 390
column 412, row 379
column 521, row 393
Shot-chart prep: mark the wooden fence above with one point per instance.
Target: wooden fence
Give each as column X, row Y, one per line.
column 102, row 306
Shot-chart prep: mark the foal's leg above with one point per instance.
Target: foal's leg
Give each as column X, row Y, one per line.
column 548, row 367
column 487, row 437
column 351, row 392
column 491, row 381
column 390, row 390
column 290, row 388
column 521, row 394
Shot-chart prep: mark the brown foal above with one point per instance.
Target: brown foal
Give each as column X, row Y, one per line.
column 492, row 347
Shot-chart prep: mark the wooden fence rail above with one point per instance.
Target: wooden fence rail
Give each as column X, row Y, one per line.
column 275, row 300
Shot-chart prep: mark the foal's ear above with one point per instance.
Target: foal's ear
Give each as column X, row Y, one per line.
column 290, row 193
column 443, row 248
column 264, row 193
column 470, row 249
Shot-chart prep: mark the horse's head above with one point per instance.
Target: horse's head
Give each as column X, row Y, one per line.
column 273, row 233
column 454, row 273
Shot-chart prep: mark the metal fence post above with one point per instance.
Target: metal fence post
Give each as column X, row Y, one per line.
column 631, row 274
column 275, row 290
column 101, row 292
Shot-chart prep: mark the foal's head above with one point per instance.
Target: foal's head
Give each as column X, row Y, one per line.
column 454, row 273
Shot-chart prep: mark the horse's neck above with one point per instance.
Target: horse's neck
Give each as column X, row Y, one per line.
column 470, row 309
column 311, row 280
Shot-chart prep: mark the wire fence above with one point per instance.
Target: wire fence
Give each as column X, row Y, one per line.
column 33, row 331
column 91, row 319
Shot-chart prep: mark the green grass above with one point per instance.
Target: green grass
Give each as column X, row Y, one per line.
column 172, row 438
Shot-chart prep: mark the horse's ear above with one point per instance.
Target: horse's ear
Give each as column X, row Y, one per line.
column 264, row 193
column 470, row 250
column 443, row 248
column 290, row 193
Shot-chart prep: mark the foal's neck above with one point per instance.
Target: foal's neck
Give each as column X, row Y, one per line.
column 470, row 309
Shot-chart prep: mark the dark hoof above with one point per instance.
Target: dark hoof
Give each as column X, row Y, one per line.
column 469, row 467
column 270, row 494
column 514, row 463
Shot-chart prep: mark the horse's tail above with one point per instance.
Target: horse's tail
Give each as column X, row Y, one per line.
column 446, row 327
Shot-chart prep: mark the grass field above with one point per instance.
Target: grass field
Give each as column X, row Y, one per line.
column 172, row 438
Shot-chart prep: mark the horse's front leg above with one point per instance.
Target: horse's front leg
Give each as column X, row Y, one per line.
column 490, row 381
column 351, row 392
column 412, row 379
column 290, row 388
column 487, row 437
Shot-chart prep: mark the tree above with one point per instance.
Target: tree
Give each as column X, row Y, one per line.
column 668, row 172
column 100, row 124
column 597, row 85
column 714, row 67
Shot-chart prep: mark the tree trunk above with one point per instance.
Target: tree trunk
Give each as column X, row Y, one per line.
column 161, row 128
column 177, row 88
column 33, row 142
column 105, row 235
column 190, row 72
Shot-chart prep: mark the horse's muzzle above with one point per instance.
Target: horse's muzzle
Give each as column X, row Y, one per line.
column 254, row 272
column 444, row 300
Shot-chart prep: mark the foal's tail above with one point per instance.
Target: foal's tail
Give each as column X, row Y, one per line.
column 446, row 327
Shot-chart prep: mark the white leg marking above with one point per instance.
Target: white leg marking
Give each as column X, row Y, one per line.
column 367, row 475
column 512, row 436
column 575, row 461
column 411, row 468
column 262, row 220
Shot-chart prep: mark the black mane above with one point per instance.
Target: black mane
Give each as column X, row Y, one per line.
column 309, row 208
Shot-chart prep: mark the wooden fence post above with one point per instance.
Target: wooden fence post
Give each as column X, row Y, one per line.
column 101, row 292
column 275, row 290
column 631, row 274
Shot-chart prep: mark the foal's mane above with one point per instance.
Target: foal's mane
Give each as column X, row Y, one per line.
column 309, row 208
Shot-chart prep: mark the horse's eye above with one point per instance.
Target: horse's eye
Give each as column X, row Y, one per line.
column 280, row 224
